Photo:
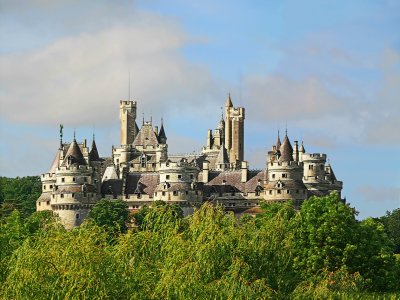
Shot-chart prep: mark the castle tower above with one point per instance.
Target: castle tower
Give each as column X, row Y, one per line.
column 234, row 131
column 127, row 115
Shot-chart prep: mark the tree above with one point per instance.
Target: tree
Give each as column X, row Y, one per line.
column 391, row 221
column 330, row 238
column 112, row 214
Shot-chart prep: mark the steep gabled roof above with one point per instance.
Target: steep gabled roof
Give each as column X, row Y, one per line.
column 286, row 150
column 55, row 164
column 94, row 155
column 146, row 136
column 75, row 152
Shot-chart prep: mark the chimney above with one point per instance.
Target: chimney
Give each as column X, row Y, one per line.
column 205, row 171
column 209, row 137
column 156, row 130
column 296, row 151
column 244, row 171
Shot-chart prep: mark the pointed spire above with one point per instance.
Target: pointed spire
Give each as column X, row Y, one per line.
column 229, row 102
column 94, row 154
column 74, row 134
column 55, row 164
column 278, row 142
column 162, row 138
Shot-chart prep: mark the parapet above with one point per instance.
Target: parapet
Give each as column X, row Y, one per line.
column 127, row 104
column 314, row 157
column 289, row 164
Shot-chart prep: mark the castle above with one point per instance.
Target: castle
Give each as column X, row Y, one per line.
column 141, row 171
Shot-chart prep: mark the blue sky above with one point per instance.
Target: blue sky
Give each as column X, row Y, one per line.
column 330, row 70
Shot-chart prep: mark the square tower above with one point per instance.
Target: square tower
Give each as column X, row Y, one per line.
column 234, row 131
column 127, row 115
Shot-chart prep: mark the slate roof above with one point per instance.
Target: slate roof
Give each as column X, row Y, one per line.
column 66, row 189
column 180, row 186
column 94, row 155
column 146, row 136
column 44, row 197
column 233, row 182
column 333, row 177
column 287, row 184
column 105, row 163
column 55, row 164
column 286, row 150
column 161, row 134
column 75, row 152
column 278, row 142
column 113, row 185
column 148, row 183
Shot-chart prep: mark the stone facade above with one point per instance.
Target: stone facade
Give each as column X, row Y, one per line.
column 141, row 171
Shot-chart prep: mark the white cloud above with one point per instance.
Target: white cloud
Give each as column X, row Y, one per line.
column 378, row 193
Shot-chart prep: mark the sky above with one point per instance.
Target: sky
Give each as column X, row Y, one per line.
column 328, row 71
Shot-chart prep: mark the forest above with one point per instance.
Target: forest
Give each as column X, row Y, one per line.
column 319, row 252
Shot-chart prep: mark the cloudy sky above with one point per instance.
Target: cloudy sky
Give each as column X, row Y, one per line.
column 330, row 70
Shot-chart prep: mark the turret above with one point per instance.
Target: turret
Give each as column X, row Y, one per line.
column 162, row 138
column 234, row 131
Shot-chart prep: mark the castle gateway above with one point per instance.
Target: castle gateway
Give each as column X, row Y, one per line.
column 141, row 171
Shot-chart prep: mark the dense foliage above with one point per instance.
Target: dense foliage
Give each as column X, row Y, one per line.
column 391, row 222
column 318, row 253
column 20, row 194
column 111, row 214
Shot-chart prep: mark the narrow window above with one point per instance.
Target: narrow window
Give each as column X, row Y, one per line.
column 175, row 193
column 179, row 176
column 94, row 169
column 48, row 202
column 186, row 192
column 77, row 216
column 131, row 165
column 288, row 191
column 39, row 203
column 273, row 175
column 95, row 181
column 62, row 179
column 73, row 179
column 163, row 193
column 167, row 176
column 270, row 192
column 283, row 175
column 279, row 191
column 143, row 162
column 51, row 186
column 62, row 195
column 191, row 176
column 73, row 195
column 44, row 187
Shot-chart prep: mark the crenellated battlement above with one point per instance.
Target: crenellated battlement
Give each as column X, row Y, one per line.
column 74, row 169
column 314, row 157
column 291, row 164
column 127, row 104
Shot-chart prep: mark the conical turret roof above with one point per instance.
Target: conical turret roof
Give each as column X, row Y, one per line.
column 302, row 148
column 55, row 164
column 221, row 124
column 94, row 155
column 229, row 102
column 76, row 155
column 286, row 150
